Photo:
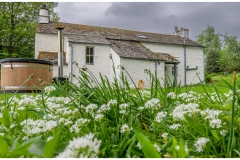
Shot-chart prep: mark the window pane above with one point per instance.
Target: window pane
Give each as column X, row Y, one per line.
column 91, row 59
column 87, row 50
column 91, row 51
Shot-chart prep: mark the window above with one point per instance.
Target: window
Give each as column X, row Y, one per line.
column 89, row 55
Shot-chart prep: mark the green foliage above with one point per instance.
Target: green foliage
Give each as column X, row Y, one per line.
column 18, row 22
column 212, row 61
column 209, row 39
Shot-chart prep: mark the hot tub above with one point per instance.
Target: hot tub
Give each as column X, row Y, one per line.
column 15, row 72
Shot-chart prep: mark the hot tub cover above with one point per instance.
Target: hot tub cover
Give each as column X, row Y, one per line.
column 26, row 60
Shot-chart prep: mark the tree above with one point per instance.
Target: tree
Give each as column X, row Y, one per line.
column 212, row 61
column 209, row 39
column 18, row 22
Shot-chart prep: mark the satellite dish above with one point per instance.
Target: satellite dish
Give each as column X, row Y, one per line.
column 176, row 29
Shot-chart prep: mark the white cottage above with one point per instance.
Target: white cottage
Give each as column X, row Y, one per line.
column 91, row 46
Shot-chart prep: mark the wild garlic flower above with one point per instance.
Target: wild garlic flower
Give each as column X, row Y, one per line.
column 124, row 106
column 223, row 132
column 91, row 107
column 157, row 147
column 98, row 117
column 210, row 113
column 153, row 104
column 112, row 102
column 49, row 89
column 201, row 143
column 171, row 95
column 175, row 126
column 164, row 135
column 180, row 110
column 141, row 108
column 160, row 116
column 82, row 147
column 215, row 123
column 103, row 108
column 125, row 128
column 139, row 146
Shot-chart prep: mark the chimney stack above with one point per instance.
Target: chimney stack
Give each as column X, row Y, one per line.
column 43, row 14
column 184, row 33
column 60, row 52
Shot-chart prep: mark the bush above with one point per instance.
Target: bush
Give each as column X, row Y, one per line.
column 208, row 78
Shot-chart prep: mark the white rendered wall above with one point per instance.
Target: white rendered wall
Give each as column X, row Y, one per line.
column 101, row 59
column 49, row 43
column 136, row 67
column 194, row 56
column 116, row 60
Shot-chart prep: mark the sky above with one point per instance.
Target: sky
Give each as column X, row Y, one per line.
column 157, row 17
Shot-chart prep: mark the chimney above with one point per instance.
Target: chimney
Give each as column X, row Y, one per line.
column 43, row 14
column 60, row 52
column 184, row 32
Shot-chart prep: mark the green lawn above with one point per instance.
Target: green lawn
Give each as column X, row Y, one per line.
column 218, row 81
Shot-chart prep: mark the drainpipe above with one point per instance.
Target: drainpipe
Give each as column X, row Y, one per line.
column 71, row 61
column 60, row 52
column 156, row 63
column 185, row 63
column 175, row 74
column 203, row 67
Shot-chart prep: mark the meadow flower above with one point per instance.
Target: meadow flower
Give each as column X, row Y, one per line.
column 160, row 116
column 210, row 113
column 153, row 104
column 175, row 126
column 223, row 132
column 139, row 146
column 125, row 128
column 124, row 106
column 141, row 108
column 103, row 108
column 180, row 110
column 157, row 147
column 112, row 102
column 98, row 117
column 215, row 123
column 171, row 95
column 82, row 147
column 91, row 107
column 201, row 143
column 49, row 89
column 164, row 135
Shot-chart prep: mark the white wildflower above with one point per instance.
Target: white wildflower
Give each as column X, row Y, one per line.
column 112, row 102
column 103, row 108
column 180, row 110
column 177, row 147
column 124, row 106
column 223, row 132
column 125, row 128
column 164, row 135
column 141, row 108
column 91, row 107
column 215, row 123
column 157, row 147
column 98, row 117
column 201, row 143
column 175, row 126
column 171, row 95
column 153, row 104
column 160, row 116
column 139, row 146
column 82, row 147
column 49, row 89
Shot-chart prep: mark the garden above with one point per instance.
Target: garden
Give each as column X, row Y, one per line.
column 93, row 119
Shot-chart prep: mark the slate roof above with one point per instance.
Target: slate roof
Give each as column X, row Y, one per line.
column 113, row 33
column 51, row 56
column 125, row 43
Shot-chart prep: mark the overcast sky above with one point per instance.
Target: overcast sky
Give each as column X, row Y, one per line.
column 158, row 17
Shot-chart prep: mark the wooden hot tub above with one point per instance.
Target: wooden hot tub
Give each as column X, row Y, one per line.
column 15, row 71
